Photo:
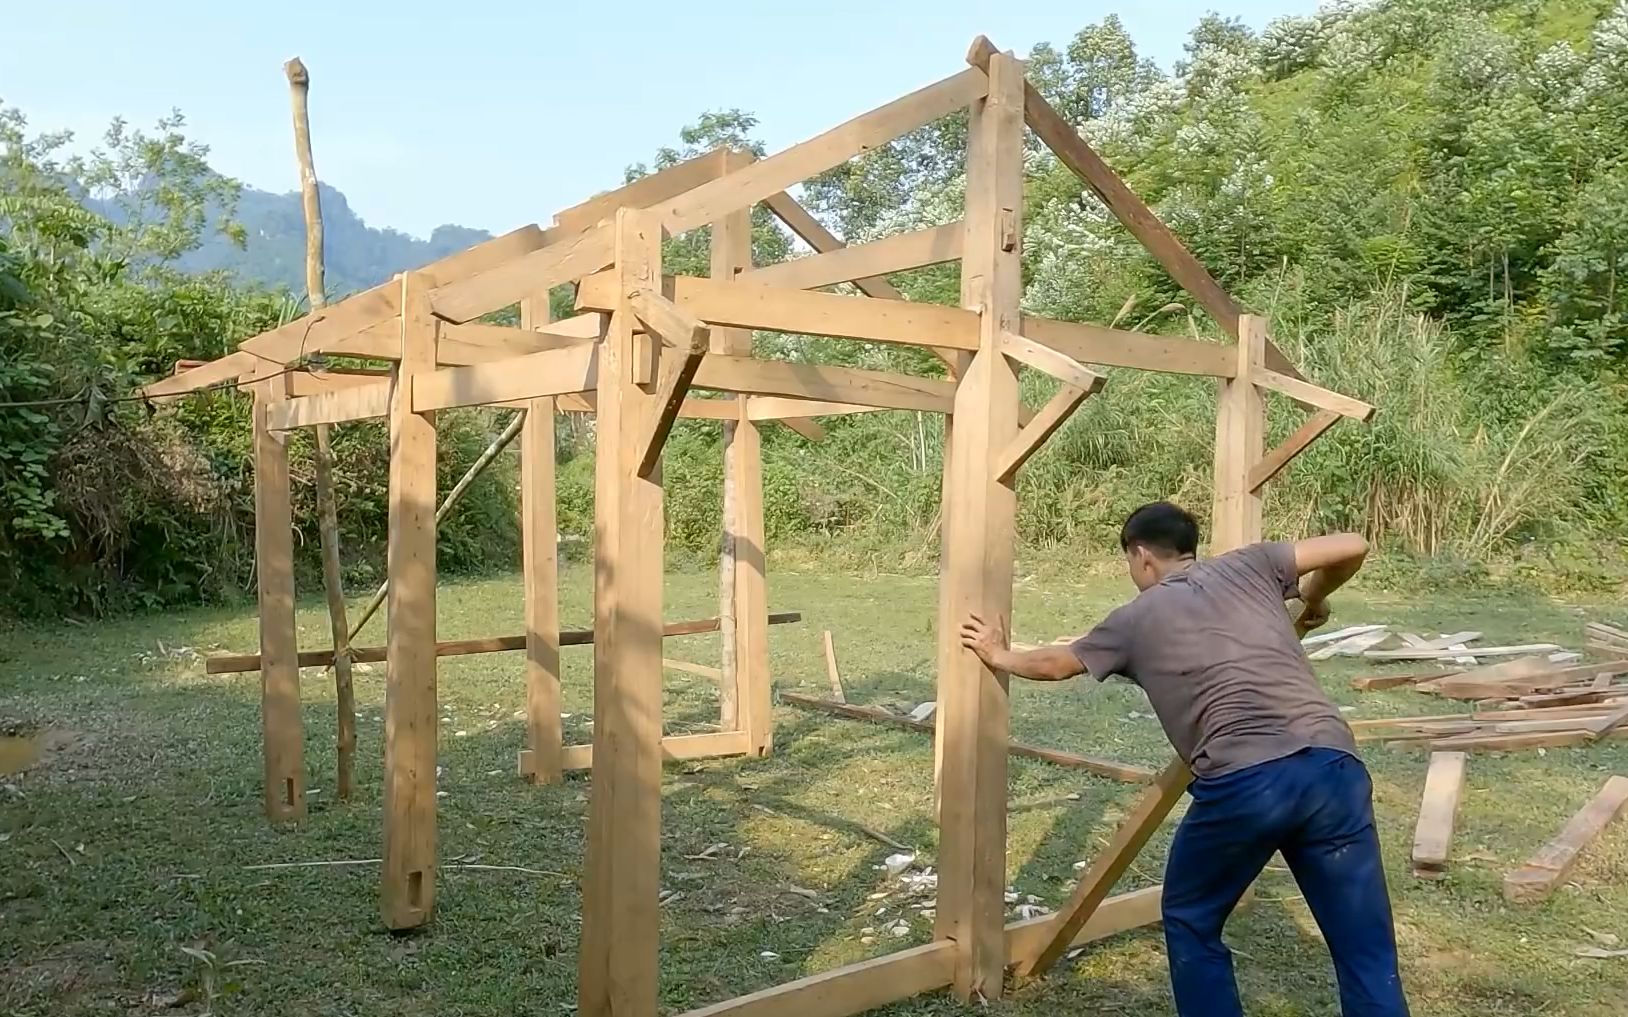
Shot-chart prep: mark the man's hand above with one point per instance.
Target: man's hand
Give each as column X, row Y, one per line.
column 987, row 640
column 1312, row 616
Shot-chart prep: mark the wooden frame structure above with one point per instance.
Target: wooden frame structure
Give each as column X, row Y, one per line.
column 639, row 346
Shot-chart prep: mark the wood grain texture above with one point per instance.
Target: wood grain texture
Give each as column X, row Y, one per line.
column 1112, row 347
column 538, row 375
column 851, row 989
column 753, row 680
column 1240, row 441
column 825, row 383
column 1553, row 862
column 1438, row 808
column 283, row 740
column 539, row 564
column 341, row 405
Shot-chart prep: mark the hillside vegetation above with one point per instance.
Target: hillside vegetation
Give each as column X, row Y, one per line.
column 1428, row 197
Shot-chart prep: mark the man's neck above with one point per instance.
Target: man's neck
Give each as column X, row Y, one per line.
column 1175, row 566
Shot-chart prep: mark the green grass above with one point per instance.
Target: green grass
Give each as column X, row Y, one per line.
column 154, row 770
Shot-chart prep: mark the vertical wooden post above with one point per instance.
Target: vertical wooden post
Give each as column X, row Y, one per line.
column 539, row 547
column 410, row 718
column 731, row 254
column 282, row 734
column 978, row 555
column 752, row 691
column 1240, row 442
column 617, row 960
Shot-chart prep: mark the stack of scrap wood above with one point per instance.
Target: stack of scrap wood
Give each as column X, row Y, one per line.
column 1607, row 638
column 1450, row 649
column 1522, row 724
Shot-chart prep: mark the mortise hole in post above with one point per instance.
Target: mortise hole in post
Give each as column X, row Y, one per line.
column 415, row 889
column 288, row 792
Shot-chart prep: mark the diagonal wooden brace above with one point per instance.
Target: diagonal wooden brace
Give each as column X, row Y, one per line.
column 1038, row 429
column 670, row 323
column 1049, row 361
column 1305, row 392
column 1128, row 840
column 1274, row 461
column 672, row 384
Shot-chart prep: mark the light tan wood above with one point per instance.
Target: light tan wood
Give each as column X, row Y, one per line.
column 899, row 253
column 539, row 563
column 785, row 408
column 775, row 309
column 672, row 324
column 561, row 260
column 812, row 232
column 831, row 671
column 314, row 332
column 851, row 989
column 649, row 189
column 222, row 372
column 978, row 561
column 617, row 959
column 753, row 681
column 1117, row 914
column 1112, row 347
column 1240, row 441
column 305, row 383
column 333, row 585
column 822, row 382
column 690, row 667
column 731, row 256
column 299, row 88
column 1553, row 862
column 536, row 376
column 1313, row 395
column 672, row 383
column 1276, row 460
column 470, row 343
column 283, row 738
column 1433, row 836
column 356, row 402
column 1036, row 432
column 411, row 720
column 1105, row 870
column 1049, row 361
column 711, row 745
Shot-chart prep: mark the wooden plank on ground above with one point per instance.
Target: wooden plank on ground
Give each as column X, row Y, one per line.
column 1353, row 646
column 1339, row 634
column 825, row 382
column 1411, row 653
column 411, row 719
column 1105, row 870
column 361, row 402
column 1117, row 914
column 1433, row 836
column 1275, row 461
column 848, row 990
column 803, row 312
column 1545, row 870
column 898, row 253
column 710, row 745
column 536, row 376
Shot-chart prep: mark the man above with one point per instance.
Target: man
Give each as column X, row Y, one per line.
column 1274, row 763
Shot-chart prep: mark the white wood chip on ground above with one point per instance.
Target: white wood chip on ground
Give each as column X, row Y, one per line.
column 1345, row 633
column 1352, row 647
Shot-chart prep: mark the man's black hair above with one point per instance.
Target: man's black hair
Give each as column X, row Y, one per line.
column 1165, row 529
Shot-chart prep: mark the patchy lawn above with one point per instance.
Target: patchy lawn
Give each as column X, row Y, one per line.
column 123, row 886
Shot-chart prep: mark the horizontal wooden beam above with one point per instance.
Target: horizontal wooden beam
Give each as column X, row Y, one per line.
column 673, row 325
column 550, row 373
column 1313, row 395
column 1102, row 767
column 1117, row 914
column 306, row 383
column 745, row 305
column 313, row 333
column 1051, row 362
column 849, row 990
column 228, row 368
column 784, row 407
column 337, row 407
column 1276, row 460
column 813, row 233
column 662, row 185
column 826, row 383
column 1036, row 432
column 1113, row 347
column 897, row 253
column 232, row 663
column 673, row 747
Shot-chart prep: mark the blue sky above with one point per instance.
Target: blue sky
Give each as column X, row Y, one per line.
column 496, row 114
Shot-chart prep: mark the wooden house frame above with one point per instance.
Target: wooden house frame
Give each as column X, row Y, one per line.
column 640, row 344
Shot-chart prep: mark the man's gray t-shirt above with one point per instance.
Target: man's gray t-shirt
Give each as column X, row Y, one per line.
column 1218, row 657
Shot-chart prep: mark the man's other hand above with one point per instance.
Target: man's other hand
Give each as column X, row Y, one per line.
column 1312, row 616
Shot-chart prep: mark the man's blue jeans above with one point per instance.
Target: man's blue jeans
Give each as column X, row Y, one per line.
column 1315, row 806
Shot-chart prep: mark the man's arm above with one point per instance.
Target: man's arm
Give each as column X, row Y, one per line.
column 1046, row 664
column 1325, row 564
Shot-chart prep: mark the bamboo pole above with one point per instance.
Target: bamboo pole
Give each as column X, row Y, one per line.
column 299, row 86
column 498, row 444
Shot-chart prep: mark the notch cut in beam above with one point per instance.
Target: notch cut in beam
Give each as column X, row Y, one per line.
column 1275, row 461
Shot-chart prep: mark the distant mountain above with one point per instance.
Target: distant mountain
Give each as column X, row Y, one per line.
column 356, row 255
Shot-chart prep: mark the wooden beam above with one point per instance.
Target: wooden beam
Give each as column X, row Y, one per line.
column 1036, row 432
column 804, row 426
column 217, row 372
column 305, row 383
column 1537, row 879
column 774, row 309
column 232, row 663
column 283, row 741
column 618, row 957
column 360, row 402
column 1050, row 362
column 539, row 375
column 711, row 745
column 1102, row 767
column 1240, row 440
column 838, row 695
column 1117, row 914
column 502, row 284
column 821, row 382
column 899, row 253
column 784, row 407
column 539, row 564
column 1128, row 840
column 1073, row 151
column 676, row 372
column 731, row 255
column 670, row 323
column 1274, row 461
column 662, row 185
column 411, row 719
column 1113, row 347
column 1433, row 836
column 979, row 561
column 848, row 990
column 823, row 241
column 1313, row 395
column 753, row 693
column 314, row 332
